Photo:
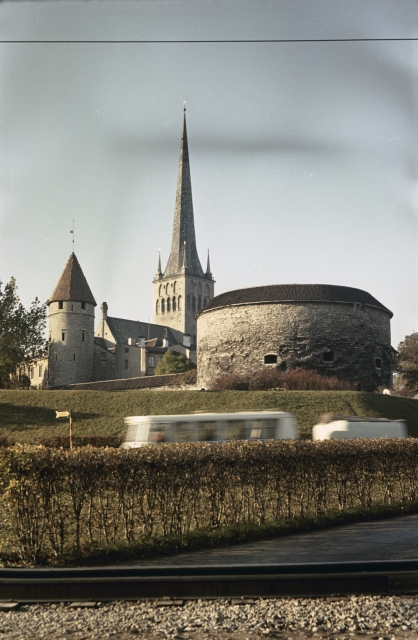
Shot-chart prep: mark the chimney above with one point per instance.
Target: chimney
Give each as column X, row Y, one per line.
column 141, row 341
column 104, row 308
column 186, row 339
column 132, row 341
column 165, row 339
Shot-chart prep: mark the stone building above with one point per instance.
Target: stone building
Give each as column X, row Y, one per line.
column 183, row 289
column 335, row 330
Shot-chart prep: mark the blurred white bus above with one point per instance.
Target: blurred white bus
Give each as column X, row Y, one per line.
column 210, row 427
column 350, row 427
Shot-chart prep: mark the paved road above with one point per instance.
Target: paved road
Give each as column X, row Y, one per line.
column 395, row 539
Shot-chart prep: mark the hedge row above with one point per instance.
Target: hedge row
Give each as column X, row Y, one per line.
column 56, row 502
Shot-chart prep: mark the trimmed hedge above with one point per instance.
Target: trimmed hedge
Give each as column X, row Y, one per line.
column 81, row 441
column 57, row 504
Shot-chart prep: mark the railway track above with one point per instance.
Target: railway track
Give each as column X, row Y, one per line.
column 234, row 581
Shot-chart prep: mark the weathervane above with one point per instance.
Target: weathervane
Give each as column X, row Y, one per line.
column 72, row 231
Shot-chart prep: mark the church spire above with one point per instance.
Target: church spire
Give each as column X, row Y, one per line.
column 159, row 272
column 183, row 245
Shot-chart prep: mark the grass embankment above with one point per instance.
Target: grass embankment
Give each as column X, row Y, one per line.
column 29, row 415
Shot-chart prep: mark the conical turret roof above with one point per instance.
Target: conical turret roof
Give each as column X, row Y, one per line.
column 72, row 284
column 183, row 245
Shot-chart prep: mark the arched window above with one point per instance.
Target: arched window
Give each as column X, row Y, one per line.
column 199, row 288
column 174, row 287
column 207, row 290
column 160, row 290
column 192, row 287
column 174, row 303
column 179, row 303
column 157, row 307
column 271, row 358
column 199, row 303
column 162, row 305
column 193, row 304
column 168, row 305
column 188, row 302
column 167, row 287
column 205, row 302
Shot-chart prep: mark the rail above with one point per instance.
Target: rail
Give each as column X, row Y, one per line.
column 234, row 581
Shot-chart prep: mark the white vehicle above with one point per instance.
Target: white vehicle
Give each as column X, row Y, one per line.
column 350, row 427
column 210, row 427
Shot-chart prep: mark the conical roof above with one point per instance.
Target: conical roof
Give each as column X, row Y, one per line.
column 72, row 284
column 183, row 245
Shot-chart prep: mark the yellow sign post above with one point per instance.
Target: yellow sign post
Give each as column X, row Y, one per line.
column 67, row 414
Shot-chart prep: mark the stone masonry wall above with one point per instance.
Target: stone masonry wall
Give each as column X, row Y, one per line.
column 71, row 359
column 235, row 339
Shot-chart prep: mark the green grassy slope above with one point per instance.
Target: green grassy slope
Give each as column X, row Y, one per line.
column 28, row 415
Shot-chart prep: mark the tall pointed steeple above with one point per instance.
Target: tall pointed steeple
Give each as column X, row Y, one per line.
column 208, row 271
column 159, row 272
column 183, row 245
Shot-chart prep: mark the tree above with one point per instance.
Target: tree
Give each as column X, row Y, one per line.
column 407, row 362
column 173, row 363
column 21, row 333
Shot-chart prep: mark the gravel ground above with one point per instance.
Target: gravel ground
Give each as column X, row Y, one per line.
column 375, row 617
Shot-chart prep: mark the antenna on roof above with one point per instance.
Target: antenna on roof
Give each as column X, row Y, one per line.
column 72, row 231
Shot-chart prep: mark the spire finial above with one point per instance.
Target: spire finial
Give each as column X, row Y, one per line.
column 184, row 102
column 208, row 271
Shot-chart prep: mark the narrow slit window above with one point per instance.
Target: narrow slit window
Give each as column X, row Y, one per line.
column 126, row 364
column 83, row 306
column 63, row 336
column 378, row 363
column 60, row 304
column 82, row 336
column 328, row 356
column 73, row 356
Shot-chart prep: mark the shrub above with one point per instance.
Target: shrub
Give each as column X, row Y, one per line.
column 54, row 501
column 57, row 442
column 290, row 380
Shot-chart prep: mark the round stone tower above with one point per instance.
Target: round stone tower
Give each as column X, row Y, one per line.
column 71, row 328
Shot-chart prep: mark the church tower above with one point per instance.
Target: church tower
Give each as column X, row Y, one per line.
column 71, row 328
column 184, row 288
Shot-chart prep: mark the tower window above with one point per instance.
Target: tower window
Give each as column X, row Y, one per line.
column 179, row 303
column 63, row 336
column 126, row 349
column 162, row 305
column 126, row 364
column 174, row 303
column 188, row 302
column 60, row 304
column 72, row 307
column 168, row 304
column 328, row 356
column 83, row 306
column 378, row 363
column 193, row 304
column 157, row 307
column 73, row 356
column 174, row 287
column 199, row 303
column 160, row 290
column 82, row 336
column 207, row 289
column 205, row 302
column 270, row 358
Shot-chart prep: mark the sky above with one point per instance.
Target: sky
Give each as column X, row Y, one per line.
column 303, row 154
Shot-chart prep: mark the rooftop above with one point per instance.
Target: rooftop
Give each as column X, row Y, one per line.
column 294, row 293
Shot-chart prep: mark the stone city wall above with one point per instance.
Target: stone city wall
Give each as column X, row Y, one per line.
column 236, row 339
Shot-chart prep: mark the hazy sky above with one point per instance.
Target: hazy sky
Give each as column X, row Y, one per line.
column 303, row 155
